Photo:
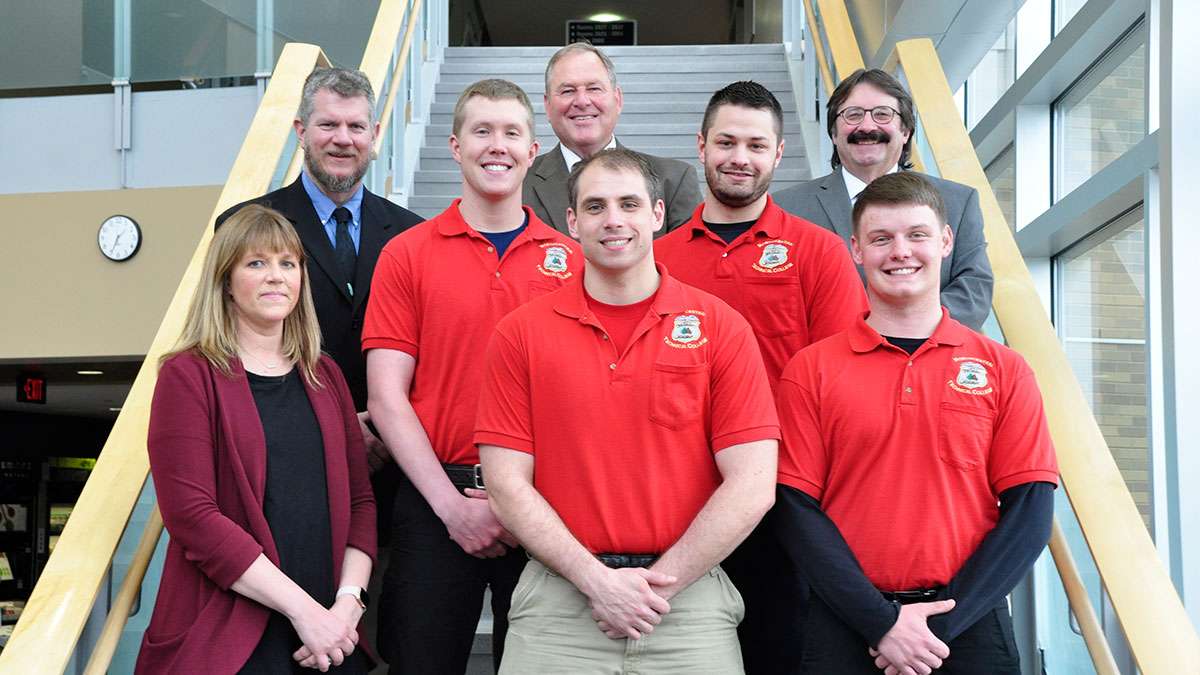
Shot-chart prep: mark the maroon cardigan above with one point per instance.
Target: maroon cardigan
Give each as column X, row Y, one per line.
column 208, row 458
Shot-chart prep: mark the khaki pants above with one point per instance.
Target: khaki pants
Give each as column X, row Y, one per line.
column 550, row 631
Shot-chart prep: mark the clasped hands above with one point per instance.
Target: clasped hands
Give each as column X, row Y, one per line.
column 629, row 602
column 328, row 635
column 909, row 647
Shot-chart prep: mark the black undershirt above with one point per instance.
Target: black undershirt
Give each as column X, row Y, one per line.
column 815, row 546
column 502, row 240
column 729, row 231
column 910, row 345
column 296, row 506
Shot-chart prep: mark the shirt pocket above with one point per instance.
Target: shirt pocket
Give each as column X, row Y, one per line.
column 964, row 436
column 775, row 307
column 678, row 394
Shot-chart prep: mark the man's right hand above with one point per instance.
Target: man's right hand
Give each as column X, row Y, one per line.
column 623, row 602
column 909, row 647
column 474, row 527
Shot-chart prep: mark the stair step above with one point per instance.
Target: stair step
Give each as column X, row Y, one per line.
column 444, row 162
column 714, row 80
column 681, row 90
column 628, row 69
column 682, row 127
column 615, row 53
column 645, row 105
column 449, row 183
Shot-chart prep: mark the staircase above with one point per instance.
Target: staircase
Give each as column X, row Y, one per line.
column 665, row 90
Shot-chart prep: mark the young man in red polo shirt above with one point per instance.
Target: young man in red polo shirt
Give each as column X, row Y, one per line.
column 625, row 426
column 917, row 475
column 438, row 292
column 793, row 282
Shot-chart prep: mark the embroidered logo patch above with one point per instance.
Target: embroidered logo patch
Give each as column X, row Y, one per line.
column 555, row 262
column 972, row 377
column 775, row 256
column 686, row 333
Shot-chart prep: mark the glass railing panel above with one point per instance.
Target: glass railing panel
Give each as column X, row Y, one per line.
column 341, row 28
column 55, row 43
column 191, row 40
column 1062, row 647
column 126, row 654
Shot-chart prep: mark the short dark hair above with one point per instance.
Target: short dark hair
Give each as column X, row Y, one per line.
column 748, row 94
column 617, row 159
column 889, row 85
column 901, row 188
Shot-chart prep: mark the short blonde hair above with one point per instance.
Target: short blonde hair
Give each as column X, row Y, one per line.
column 210, row 329
column 496, row 90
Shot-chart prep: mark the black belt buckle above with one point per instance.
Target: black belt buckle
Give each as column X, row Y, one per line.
column 618, row 561
column 478, row 476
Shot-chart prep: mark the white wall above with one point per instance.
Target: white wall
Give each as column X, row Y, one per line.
column 68, row 143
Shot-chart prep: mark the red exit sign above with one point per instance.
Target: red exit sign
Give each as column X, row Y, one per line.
column 31, row 388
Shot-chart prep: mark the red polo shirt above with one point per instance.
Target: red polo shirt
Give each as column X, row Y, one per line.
column 792, row 280
column 438, row 291
column 624, row 443
column 908, row 455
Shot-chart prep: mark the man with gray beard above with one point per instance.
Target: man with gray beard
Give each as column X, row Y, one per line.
column 343, row 227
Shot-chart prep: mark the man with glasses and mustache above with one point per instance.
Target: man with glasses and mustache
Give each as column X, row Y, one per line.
column 871, row 122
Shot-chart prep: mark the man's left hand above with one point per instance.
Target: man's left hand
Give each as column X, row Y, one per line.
column 377, row 452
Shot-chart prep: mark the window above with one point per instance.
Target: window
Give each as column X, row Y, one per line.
column 1102, row 115
column 992, row 76
column 1102, row 323
column 1002, row 175
column 1064, row 11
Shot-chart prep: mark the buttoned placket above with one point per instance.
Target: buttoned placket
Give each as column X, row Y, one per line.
column 908, row 389
column 647, row 323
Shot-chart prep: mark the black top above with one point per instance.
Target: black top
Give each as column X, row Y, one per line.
column 910, row 345
column 502, row 240
column 729, row 231
column 816, row 547
column 296, row 505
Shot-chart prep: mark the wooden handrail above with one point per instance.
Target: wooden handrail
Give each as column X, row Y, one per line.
column 45, row 636
column 839, row 36
column 401, row 63
column 1160, row 634
column 1081, row 604
column 814, row 32
column 118, row 613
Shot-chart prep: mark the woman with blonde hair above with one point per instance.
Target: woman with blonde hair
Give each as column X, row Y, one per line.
column 260, row 471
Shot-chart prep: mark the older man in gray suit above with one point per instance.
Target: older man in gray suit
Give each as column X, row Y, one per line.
column 871, row 121
column 583, row 103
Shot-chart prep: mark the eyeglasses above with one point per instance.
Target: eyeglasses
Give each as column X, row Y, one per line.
column 882, row 114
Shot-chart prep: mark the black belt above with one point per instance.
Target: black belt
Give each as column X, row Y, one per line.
column 910, row 597
column 621, row 560
column 465, row 475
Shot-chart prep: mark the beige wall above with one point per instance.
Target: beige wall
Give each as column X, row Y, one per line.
column 59, row 297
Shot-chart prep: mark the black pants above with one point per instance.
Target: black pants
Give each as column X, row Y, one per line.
column 433, row 593
column 986, row 648
column 775, row 595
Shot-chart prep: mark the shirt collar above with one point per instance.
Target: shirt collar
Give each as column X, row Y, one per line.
column 863, row 338
column 770, row 222
column 572, row 159
column 325, row 206
column 451, row 224
column 668, row 299
column 854, row 185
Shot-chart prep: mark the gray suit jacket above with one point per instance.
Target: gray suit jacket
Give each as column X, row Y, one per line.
column 545, row 189
column 966, row 274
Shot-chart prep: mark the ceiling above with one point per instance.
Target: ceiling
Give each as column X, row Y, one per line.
column 68, row 392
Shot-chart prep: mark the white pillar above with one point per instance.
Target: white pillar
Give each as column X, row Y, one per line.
column 1179, row 241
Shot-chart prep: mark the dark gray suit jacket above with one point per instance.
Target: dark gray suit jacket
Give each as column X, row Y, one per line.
column 545, row 189
column 340, row 316
column 966, row 274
